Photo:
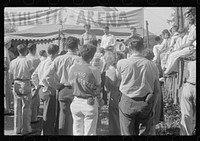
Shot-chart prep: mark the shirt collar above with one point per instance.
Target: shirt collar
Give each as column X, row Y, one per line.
column 71, row 53
column 136, row 55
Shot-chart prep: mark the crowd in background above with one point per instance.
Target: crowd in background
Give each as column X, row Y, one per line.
column 75, row 84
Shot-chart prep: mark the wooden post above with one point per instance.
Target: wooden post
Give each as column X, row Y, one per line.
column 147, row 34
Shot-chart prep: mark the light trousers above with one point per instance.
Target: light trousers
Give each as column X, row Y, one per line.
column 84, row 117
column 188, row 109
column 22, row 113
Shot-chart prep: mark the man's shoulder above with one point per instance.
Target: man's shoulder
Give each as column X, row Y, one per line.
column 122, row 62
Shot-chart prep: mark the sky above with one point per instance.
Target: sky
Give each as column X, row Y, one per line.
column 156, row 16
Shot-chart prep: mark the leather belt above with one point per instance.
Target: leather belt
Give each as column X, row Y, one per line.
column 18, row 79
column 84, row 97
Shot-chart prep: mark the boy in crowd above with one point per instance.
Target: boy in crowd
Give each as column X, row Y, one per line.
column 43, row 55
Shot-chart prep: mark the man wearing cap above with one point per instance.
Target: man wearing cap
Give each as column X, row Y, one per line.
column 35, row 102
column 20, row 72
column 87, row 36
column 59, row 69
column 140, row 88
column 108, row 40
column 48, row 97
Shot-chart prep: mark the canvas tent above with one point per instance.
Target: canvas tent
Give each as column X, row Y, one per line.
column 70, row 21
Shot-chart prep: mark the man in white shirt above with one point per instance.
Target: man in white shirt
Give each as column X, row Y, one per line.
column 108, row 40
column 48, row 97
column 20, row 72
column 35, row 102
column 87, row 36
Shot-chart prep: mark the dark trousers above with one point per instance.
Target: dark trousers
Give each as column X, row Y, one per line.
column 103, row 89
column 114, row 126
column 65, row 124
column 134, row 116
column 49, row 112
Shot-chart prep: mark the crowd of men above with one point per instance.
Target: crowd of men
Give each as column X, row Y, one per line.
column 73, row 85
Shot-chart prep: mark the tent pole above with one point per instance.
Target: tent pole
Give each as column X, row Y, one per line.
column 147, row 34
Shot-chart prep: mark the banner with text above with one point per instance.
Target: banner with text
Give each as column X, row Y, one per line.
column 77, row 17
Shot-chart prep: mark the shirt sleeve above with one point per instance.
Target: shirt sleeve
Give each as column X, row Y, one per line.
column 48, row 79
column 97, row 74
column 35, row 78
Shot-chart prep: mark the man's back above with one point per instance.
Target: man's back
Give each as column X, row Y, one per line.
column 34, row 59
column 21, row 68
column 137, row 76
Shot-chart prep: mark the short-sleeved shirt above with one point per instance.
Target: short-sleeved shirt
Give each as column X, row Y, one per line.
column 20, row 68
column 87, row 37
column 84, row 79
column 137, row 76
column 60, row 68
column 40, row 72
column 108, row 40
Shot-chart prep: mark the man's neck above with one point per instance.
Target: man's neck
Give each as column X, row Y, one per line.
column 134, row 52
column 21, row 55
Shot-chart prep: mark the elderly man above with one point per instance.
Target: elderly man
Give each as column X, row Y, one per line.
column 140, row 89
column 87, row 36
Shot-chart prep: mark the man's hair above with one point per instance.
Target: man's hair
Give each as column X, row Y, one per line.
column 182, row 30
column 106, row 27
column 157, row 38
column 120, row 55
column 175, row 27
column 21, row 48
column 42, row 52
column 71, row 43
column 148, row 54
column 136, row 43
column 132, row 28
column 87, row 25
column 191, row 20
column 166, row 31
column 87, row 51
column 31, row 47
column 110, row 58
column 93, row 42
column 53, row 49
